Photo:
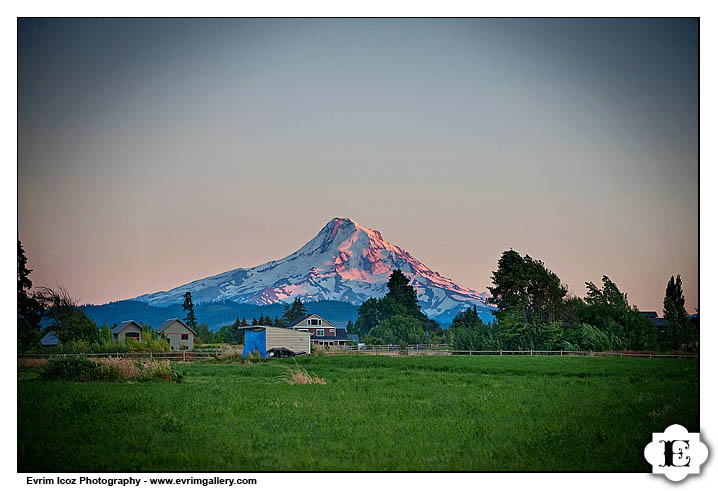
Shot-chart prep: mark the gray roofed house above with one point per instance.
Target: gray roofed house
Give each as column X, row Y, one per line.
column 177, row 333
column 50, row 339
column 127, row 330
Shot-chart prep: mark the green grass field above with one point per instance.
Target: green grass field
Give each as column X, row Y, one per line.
column 374, row 413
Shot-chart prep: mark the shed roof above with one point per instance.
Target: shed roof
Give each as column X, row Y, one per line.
column 122, row 325
column 169, row 322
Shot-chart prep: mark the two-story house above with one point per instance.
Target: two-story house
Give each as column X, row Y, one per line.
column 323, row 332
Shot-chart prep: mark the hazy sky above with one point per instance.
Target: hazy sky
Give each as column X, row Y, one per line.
column 156, row 152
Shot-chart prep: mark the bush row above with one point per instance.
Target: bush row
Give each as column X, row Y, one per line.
column 83, row 369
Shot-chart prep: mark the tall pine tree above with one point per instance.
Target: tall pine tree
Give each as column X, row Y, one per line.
column 188, row 307
column 29, row 309
column 293, row 312
column 677, row 334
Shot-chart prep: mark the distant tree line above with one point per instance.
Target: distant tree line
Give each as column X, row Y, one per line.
column 535, row 312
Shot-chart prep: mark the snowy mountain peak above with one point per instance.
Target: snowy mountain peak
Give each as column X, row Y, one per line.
column 344, row 261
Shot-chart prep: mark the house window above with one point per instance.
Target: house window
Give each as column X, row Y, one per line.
column 315, row 322
column 185, row 337
column 320, row 332
column 132, row 335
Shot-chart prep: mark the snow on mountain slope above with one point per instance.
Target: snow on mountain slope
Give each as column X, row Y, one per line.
column 345, row 262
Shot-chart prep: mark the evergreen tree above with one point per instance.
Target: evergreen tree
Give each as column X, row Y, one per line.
column 677, row 335
column 394, row 317
column 188, row 307
column 293, row 312
column 402, row 293
column 29, row 309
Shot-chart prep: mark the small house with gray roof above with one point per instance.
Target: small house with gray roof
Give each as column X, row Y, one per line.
column 179, row 334
column 127, row 330
column 50, row 339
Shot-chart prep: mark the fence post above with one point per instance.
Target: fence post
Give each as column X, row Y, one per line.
column 531, row 353
column 561, row 352
column 501, row 352
column 184, row 356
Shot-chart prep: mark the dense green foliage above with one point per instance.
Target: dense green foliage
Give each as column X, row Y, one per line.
column 534, row 312
column 469, row 332
column 29, row 309
column 232, row 334
column 680, row 333
column 396, row 318
column 65, row 319
column 466, row 413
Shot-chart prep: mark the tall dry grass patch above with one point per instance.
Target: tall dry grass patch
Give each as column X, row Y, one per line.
column 299, row 376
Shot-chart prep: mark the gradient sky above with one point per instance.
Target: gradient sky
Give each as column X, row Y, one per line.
column 156, row 152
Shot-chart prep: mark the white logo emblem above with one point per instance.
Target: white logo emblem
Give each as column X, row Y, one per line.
column 676, row 453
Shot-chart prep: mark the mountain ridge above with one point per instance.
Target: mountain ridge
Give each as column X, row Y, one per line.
column 345, row 262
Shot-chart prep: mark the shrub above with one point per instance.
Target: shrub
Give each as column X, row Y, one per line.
column 158, row 370
column 81, row 369
column 77, row 368
column 158, row 345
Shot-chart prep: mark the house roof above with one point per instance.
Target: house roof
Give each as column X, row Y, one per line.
column 353, row 337
column 304, row 317
column 649, row 313
column 122, row 325
column 169, row 322
column 340, row 334
column 50, row 339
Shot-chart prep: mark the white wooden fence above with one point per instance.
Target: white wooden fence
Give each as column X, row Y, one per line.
column 446, row 349
column 415, row 349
